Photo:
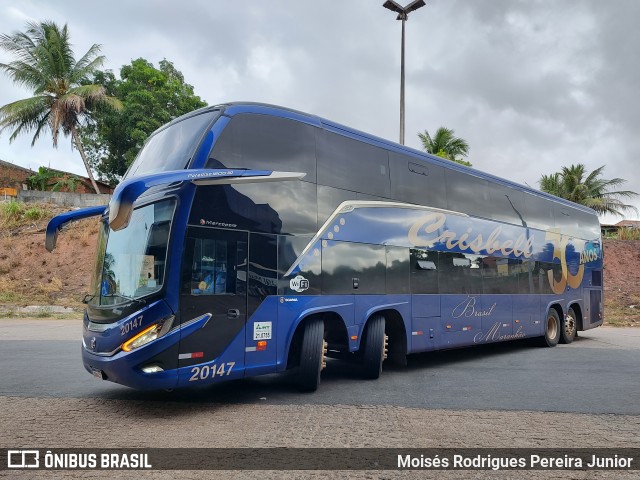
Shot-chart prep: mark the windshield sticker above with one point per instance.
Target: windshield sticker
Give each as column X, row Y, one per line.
column 147, row 275
column 262, row 331
column 299, row 284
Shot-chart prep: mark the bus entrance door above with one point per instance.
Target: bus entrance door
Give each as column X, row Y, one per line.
column 214, row 283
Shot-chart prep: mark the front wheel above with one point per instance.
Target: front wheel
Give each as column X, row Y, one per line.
column 311, row 356
column 569, row 327
column 374, row 348
column 552, row 329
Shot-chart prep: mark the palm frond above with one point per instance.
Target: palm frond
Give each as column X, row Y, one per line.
column 23, row 115
column 444, row 143
column 89, row 62
column 574, row 184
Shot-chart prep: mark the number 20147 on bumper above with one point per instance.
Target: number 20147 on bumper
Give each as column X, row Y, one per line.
column 206, row 371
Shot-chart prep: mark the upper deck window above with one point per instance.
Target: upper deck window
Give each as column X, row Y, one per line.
column 172, row 147
column 265, row 142
column 351, row 164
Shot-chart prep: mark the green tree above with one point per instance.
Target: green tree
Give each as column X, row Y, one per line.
column 42, row 180
column 151, row 97
column 574, row 183
column 63, row 98
column 446, row 145
column 66, row 183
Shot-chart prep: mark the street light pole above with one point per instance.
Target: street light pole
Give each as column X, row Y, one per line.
column 403, row 14
column 404, row 19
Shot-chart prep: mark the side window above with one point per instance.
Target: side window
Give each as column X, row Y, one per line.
column 424, row 271
column 347, row 163
column 539, row 276
column 214, row 263
column 210, row 268
column 566, row 220
column 588, row 224
column 264, row 142
column 270, row 207
column 538, row 212
column 328, row 200
column 397, row 270
column 413, row 180
column 290, row 249
column 505, row 275
column 469, row 194
column 460, row 273
column 508, row 204
column 263, row 269
column 355, row 268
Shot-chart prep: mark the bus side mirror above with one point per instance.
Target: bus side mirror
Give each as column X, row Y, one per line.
column 57, row 222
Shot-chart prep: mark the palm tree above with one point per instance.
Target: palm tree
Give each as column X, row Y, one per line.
column 63, row 98
column 574, row 184
column 445, row 145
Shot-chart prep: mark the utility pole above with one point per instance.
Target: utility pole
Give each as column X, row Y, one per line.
column 403, row 14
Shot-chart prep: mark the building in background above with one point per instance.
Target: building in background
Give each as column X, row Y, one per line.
column 14, row 178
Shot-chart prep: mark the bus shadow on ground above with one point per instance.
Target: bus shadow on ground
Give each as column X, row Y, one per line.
column 282, row 388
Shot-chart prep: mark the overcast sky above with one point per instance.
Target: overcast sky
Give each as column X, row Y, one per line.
column 531, row 85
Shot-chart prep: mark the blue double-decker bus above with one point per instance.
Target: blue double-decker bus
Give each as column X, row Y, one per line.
column 248, row 239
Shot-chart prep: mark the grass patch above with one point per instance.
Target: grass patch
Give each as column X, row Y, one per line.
column 622, row 315
column 624, row 234
column 49, row 316
column 9, row 297
column 35, row 213
column 10, row 212
column 16, row 214
column 629, row 234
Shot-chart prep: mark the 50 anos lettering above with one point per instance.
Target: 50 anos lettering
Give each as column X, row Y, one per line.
column 560, row 243
column 210, row 371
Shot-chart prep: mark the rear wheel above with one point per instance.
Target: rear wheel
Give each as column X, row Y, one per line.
column 311, row 356
column 552, row 329
column 569, row 327
column 375, row 348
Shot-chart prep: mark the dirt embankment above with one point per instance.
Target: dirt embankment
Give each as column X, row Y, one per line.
column 622, row 282
column 29, row 275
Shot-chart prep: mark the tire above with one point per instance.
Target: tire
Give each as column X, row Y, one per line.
column 552, row 329
column 374, row 348
column 311, row 356
column 569, row 327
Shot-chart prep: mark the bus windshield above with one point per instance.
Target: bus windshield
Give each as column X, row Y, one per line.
column 132, row 261
column 172, row 147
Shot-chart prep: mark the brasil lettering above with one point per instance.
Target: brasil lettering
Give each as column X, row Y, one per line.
column 425, row 233
column 467, row 308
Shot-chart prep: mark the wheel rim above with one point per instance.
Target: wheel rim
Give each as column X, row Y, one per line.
column 552, row 326
column 569, row 326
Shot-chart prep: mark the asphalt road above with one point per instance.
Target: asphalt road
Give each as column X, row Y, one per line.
column 598, row 373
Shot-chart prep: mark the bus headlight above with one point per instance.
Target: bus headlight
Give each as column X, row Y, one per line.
column 149, row 334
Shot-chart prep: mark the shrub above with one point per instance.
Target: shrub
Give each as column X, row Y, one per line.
column 11, row 210
column 35, row 213
column 629, row 234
